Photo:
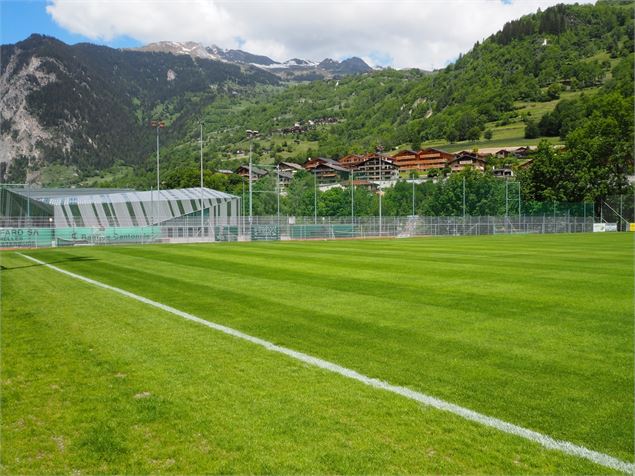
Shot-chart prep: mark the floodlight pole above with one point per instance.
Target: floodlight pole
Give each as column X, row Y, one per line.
column 250, row 185
column 243, row 206
column 251, row 134
column 380, row 227
column 379, row 149
column 278, row 191
column 464, row 200
column 506, row 201
column 201, row 148
column 314, row 196
column 158, row 124
column 413, row 194
column 352, row 196
column 28, row 201
column 158, row 174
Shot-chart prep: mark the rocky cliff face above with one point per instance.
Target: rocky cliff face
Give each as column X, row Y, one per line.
column 21, row 131
column 89, row 106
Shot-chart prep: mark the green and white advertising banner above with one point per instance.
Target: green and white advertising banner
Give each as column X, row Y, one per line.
column 25, row 237
column 42, row 237
column 93, row 235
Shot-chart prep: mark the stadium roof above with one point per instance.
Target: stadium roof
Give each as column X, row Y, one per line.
column 115, row 207
column 38, row 193
column 57, row 197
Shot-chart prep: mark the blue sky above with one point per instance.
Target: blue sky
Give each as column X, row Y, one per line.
column 21, row 18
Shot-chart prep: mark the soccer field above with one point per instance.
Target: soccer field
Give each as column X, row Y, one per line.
column 536, row 331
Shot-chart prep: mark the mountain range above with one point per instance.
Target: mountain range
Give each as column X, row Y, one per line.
column 294, row 69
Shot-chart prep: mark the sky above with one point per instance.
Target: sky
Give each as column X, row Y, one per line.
column 426, row 34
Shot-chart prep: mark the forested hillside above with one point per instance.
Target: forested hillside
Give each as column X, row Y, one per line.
column 562, row 53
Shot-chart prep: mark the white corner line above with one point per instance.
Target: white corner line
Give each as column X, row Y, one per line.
column 543, row 440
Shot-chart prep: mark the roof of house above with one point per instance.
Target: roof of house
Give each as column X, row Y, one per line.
column 435, row 150
column 467, row 155
column 496, row 150
column 404, row 152
column 351, row 155
column 383, row 158
column 287, row 175
column 323, row 160
column 333, row 166
column 292, row 165
column 254, row 170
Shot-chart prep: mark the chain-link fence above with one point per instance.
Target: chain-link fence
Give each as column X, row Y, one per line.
column 40, row 232
column 301, row 228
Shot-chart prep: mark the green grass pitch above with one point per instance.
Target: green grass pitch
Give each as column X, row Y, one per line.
column 534, row 330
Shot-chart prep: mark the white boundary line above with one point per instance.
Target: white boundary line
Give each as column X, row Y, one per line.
column 544, row 440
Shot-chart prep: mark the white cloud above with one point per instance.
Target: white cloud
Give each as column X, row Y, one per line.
column 424, row 34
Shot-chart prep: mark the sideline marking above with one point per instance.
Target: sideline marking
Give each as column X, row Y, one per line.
column 543, row 440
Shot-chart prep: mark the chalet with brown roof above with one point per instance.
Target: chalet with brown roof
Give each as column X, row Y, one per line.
column 290, row 167
column 284, row 178
column 431, row 158
column 426, row 159
column 329, row 173
column 256, row 173
column 313, row 162
column 524, row 151
column 352, row 160
column 405, row 154
column 379, row 168
column 463, row 160
column 503, row 153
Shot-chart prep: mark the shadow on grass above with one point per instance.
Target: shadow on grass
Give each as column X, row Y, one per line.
column 73, row 259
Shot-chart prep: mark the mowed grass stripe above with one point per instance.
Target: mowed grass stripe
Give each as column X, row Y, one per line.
column 335, row 276
column 275, row 271
column 471, row 246
column 282, row 254
column 270, row 290
column 536, row 301
column 109, row 385
column 544, row 440
column 338, row 277
column 550, row 361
